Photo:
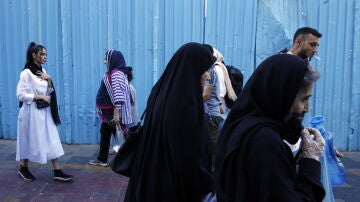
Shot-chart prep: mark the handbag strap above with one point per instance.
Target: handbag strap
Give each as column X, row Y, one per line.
column 108, row 88
column 142, row 117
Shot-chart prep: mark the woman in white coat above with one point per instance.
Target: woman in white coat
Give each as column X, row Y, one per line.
column 37, row 136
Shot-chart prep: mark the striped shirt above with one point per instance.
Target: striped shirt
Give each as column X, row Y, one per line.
column 121, row 92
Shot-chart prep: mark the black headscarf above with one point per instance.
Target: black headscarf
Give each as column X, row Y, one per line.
column 53, row 100
column 173, row 162
column 34, row 68
column 264, row 102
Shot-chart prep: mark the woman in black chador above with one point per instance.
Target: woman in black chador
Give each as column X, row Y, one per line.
column 173, row 161
column 253, row 162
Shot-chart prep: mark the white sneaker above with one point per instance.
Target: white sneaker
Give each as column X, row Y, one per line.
column 116, row 148
column 96, row 162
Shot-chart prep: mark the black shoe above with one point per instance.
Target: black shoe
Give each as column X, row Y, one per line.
column 25, row 174
column 59, row 175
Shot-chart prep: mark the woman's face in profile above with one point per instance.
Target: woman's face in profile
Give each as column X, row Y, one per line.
column 40, row 57
column 301, row 102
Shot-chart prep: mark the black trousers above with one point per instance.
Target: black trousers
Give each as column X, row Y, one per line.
column 106, row 131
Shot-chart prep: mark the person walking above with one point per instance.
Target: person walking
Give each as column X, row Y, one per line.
column 253, row 163
column 173, row 160
column 37, row 136
column 306, row 41
column 134, row 104
column 224, row 82
column 118, row 141
column 212, row 108
column 113, row 103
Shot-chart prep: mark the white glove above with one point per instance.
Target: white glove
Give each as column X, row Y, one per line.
column 312, row 144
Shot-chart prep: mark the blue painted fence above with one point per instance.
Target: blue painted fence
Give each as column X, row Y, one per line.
column 77, row 34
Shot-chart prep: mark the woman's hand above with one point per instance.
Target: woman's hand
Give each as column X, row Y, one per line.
column 116, row 116
column 312, row 144
column 42, row 97
column 338, row 154
column 44, row 76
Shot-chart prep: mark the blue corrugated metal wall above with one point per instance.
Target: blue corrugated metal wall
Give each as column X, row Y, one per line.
column 77, row 33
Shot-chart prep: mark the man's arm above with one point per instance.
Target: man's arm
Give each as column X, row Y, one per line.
column 207, row 92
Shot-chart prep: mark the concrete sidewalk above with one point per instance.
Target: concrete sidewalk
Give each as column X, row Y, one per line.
column 96, row 183
column 90, row 183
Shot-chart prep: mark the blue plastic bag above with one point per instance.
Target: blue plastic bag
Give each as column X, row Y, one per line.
column 335, row 168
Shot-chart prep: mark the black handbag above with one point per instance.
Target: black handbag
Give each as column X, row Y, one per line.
column 41, row 104
column 123, row 162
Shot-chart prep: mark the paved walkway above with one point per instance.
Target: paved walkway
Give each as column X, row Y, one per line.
column 91, row 183
column 96, row 183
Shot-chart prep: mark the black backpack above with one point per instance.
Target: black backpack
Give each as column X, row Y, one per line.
column 236, row 78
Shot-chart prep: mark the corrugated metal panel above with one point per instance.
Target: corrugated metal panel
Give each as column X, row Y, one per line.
column 77, row 33
column 230, row 28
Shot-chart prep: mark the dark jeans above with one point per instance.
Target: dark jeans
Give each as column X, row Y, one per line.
column 214, row 125
column 106, row 130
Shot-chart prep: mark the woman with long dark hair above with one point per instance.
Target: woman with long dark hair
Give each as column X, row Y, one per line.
column 37, row 136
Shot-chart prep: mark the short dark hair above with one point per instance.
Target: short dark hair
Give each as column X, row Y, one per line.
column 304, row 31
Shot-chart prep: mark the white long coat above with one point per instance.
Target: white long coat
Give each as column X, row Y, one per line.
column 37, row 136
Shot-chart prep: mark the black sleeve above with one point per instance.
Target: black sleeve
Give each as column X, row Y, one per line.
column 271, row 171
column 309, row 173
